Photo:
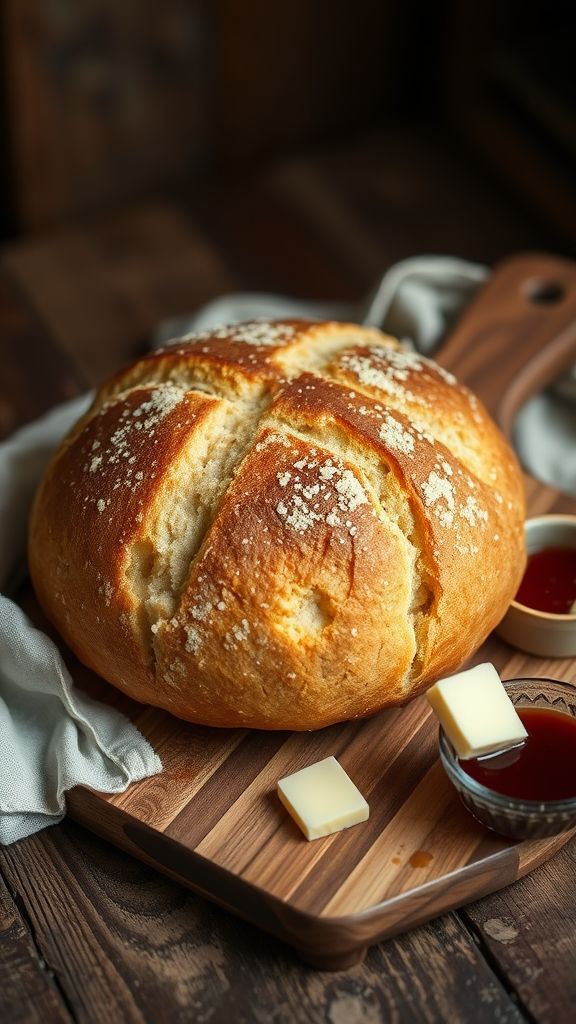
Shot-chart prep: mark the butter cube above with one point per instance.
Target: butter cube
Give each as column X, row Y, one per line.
column 322, row 799
column 476, row 713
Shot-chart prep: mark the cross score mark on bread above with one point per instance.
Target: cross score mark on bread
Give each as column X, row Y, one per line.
column 279, row 525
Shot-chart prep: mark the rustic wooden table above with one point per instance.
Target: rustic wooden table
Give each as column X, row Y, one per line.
column 88, row 934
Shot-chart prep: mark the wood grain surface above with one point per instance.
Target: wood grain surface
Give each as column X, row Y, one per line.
column 212, row 818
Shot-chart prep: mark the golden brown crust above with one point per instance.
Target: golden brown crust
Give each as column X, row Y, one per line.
column 279, row 525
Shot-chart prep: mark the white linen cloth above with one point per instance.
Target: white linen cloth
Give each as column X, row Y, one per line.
column 52, row 737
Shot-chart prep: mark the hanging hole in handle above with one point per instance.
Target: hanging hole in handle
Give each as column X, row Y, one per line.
column 542, row 292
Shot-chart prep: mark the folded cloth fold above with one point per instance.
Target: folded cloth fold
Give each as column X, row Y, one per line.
column 52, row 736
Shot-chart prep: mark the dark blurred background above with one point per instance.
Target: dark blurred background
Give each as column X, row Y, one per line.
column 109, row 102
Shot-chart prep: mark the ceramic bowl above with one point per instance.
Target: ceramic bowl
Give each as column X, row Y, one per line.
column 510, row 816
column 543, row 633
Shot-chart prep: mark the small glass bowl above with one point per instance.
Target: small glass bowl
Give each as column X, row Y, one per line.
column 542, row 633
column 510, row 816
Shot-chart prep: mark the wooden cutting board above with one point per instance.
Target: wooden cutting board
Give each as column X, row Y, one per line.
column 212, row 820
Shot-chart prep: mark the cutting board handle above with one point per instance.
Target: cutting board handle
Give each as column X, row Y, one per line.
column 517, row 335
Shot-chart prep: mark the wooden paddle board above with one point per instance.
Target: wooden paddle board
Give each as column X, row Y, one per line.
column 212, row 820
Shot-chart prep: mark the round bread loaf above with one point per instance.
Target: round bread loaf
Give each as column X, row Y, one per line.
column 279, row 525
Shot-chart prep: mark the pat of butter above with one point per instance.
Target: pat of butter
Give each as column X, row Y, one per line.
column 476, row 713
column 322, row 799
